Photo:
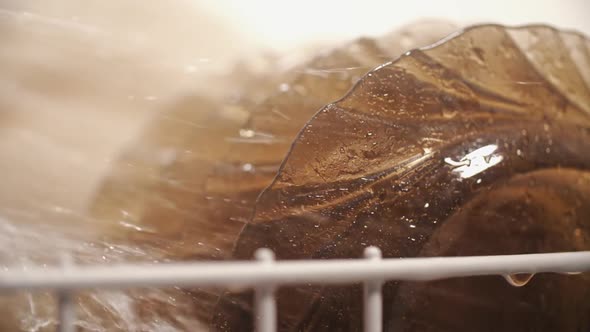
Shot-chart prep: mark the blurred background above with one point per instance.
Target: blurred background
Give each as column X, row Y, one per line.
column 118, row 61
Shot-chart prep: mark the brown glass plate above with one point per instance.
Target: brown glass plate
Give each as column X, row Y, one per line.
column 477, row 145
column 187, row 186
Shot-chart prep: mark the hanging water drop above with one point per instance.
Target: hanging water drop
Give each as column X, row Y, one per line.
column 518, row 279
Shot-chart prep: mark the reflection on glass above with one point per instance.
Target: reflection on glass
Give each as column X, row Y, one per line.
column 476, row 161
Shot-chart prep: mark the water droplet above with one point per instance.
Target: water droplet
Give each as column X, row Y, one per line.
column 248, row 167
column 478, row 181
column 449, row 114
column 518, row 152
column 426, row 205
column 478, row 55
column 247, row 133
column 518, row 279
column 130, row 225
column 284, row 87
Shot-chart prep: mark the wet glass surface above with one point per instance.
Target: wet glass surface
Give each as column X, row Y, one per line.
column 225, row 151
column 478, row 145
column 187, row 178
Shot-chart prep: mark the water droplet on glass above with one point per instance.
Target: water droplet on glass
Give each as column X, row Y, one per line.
column 478, row 55
column 247, row 133
column 284, row 87
column 449, row 114
column 518, row 279
column 248, row 167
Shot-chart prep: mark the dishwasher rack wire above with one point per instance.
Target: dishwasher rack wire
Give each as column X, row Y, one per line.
column 265, row 275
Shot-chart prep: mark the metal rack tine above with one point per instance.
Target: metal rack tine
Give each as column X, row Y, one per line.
column 372, row 296
column 67, row 312
column 265, row 307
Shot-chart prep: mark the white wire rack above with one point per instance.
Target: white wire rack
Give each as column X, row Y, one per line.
column 265, row 275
